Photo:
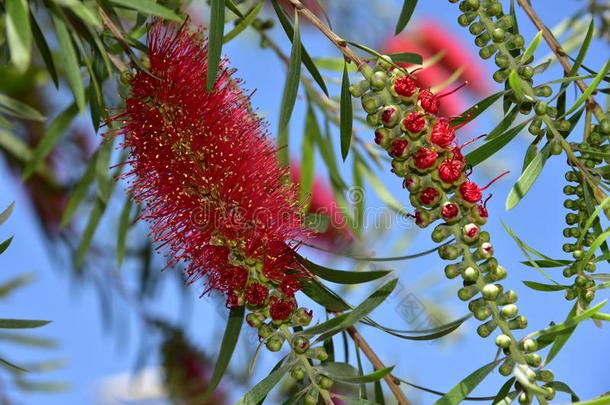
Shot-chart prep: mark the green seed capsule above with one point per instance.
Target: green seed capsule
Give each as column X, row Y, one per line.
column 470, row 274
column 503, row 341
column 570, row 294
column 494, row 10
column 300, row 344
column 384, row 62
column 482, row 313
column 488, row 51
column 463, row 20
column 452, row 271
column 516, row 42
column 556, row 148
column 564, row 125
column 543, row 91
column 550, row 393
column 604, row 126
column 482, row 40
column 525, row 398
column 449, row 252
column 498, row 274
column 589, row 296
column 501, row 61
column 473, row 4
column 468, row 292
column 540, row 108
column 500, row 75
column 440, row 233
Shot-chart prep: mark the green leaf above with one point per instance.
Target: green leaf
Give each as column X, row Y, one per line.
column 21, row 323
column 9, row 286
column 12, row 366
column 408, row 6
column 260, row 390
column 19, row 33
column 293, row 77
column 44, row 50
column 6, row 213
column 95, row 216
column 590, row 89
column 516, row 83
column 49, row 139
column 347, row 374
column 27, row 340
column 465, row 387
column 227, row 347
column 346, row 114
column 563, row 387
column 310, row 133
column 532, row 47
column 69, row 60
column 570, row 321
column 322, row 295
column 406, row 57
column 545, row 287
column 420, row 335
column 18, row 109
column 307, row 61
column 41, row 386
column 439, row 393
column 343, row 276
column 362, row 310
column 244, row 22
column 4, row 245
column 477, row 109
column 504, row 125
column 150, row 7
column 79, row 193
column 547, row 263
column 527, row 178
column 489, row 148
column 355, row 401
column 122, row 230
column 215, row 38
column 85, row 11
column 504, row 391
column 595, row 245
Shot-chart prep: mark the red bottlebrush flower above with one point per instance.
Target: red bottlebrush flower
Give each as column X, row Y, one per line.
column 483, row 213
column 390, row 116
column 405, row 86
column 450, row 211
column 450, row 170
column 425, row 158
column 471, row 192
column 471, row 231
column 281, row 310
column 442, row 133
column 399, row 146
column 256, row 294
column 429, row 102
column 379, row 137
column 290, row 285
column 429, row 196
column 414, row 122
column 204, row 168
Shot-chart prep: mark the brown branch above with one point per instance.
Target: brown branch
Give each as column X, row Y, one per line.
column 558, row 51
column 393, row 382
column 330, row 34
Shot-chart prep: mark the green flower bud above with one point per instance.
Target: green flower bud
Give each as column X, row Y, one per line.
column 264, row 331
column 519, row 322
column 482, row 40
column 126, row 77
column 274, row 344
column 463, row 20
column 499, row 273
column 540, row 108
column 500, row 75
column 531, row 375
column 507, row 367
column 473, row 4
column 604, row 126
column 564, row 125
column 384, row 62
column 300, row 344
column 379, row 80
column 476, row 28
column 440, row 233
column 529, row 345
column 578, row 254
column 525, row 398
column 581, row 281
column 487, row 328
column 298, row 373
column 543, row 91
column 320, row 354
column 545, row 376
column 501, row 61
column 373, row 119
column 311, row 398
column 498, row 35
column 371, row 103
column 509, row 297
column 550, row 393
column 449, row 252
column 491, row 292
column 452, row 271
column 526, row 72
column 590, row 267
column 468, row 292
column 516, row 42
column 589, row 296
column 509, row 311
column 488, row 51
column 533, row 359
column 358, row 89
column 255, row 319
column 482, row 313
column 505, row 22
column 503, row 341
column 325, row 382
column 470, row 274
column 494, row 10
column 570, row 294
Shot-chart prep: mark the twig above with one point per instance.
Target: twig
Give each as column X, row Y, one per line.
column 330, row 34
column 393, row 382
column 561, row 55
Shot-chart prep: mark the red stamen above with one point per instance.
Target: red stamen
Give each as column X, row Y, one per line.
column 495, row 179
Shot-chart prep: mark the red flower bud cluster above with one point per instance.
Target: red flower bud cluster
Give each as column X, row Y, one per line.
column 207, row 176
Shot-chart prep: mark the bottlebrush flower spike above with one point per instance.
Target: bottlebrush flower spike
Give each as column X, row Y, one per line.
column 207, row 176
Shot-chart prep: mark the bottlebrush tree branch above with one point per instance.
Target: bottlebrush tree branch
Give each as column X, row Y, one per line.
column 558, row 51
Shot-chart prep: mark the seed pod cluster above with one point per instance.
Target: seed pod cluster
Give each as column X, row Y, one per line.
column 425, row 154
column 578, row 193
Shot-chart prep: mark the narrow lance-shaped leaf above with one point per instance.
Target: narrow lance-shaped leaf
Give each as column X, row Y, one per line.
column 4, row 245
column 346, row 114
column 78, row 194
column 465, row 387
column 49, row 139
column 44, row 50
column 532, row 47
column 488, row 149
column 527, row 178
column 122, row 230
column 590, row 89
column 21, row 323
column 150, row 7
column 215, row 37
column 227, row 347
column 310, row 133
column 19, row 109
column 307, row 61
column 244, row 22
column 408, row 6
column 343, row 276
column 19, row 33
column 477, row 109
column 260, row 390
column 293, row 77
column 6, row 213
column 69, row 60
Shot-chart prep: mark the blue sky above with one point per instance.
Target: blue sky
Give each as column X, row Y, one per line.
column 94, row 351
